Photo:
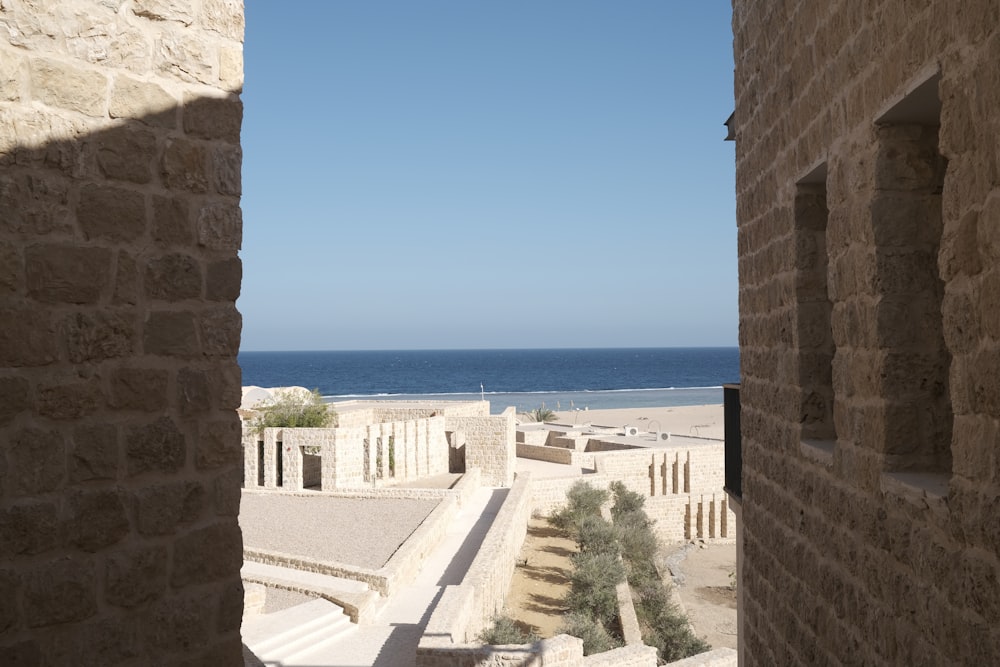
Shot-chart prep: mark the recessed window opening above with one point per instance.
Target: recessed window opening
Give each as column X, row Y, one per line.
column 814, row 308
column 907, row 224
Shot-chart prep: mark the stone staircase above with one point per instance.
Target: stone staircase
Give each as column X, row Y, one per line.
column 299, row 635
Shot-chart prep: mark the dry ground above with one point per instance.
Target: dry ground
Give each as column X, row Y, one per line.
column 541, row 582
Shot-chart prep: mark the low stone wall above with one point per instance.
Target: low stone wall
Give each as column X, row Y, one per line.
column 633, row 655
column 720, row 657
column 550, row 494
column 543, row 453
column 464, row 610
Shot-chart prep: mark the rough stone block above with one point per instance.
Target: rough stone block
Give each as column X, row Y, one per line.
column 220, row 227
column 135, row 575
column 9, row 583
column 143, row 389
column 156, row 447
column 160, row 509
column 126, row 155
column 231, row 69
column 185, row 55
column 23, row 654
column 173, row 277
column 11, row 270
column 218, row 444
column 30, row 528
column 185, row 166
column 94, row 453
column 220, row 332
column 126, row 280
column 71, row 400
column 227, row 165
column 37, row 460
column 27, row 338
column 172, row 223
column 144, row 101
column 224, row 17
column 230, row 615
column 11, row 77
column 178, row 624
column 170, row 334
column 67, row 274
column 223, row 540
column 115, row 214
column 96, row 519
column 94, row 336
column 223, row 280
column 14, row 398
column 194, row 391
column 109, row 640
column 59, row 591
column 227, row 492
column 33, row 204
column 165, row 10
column 61, row 85
column 215, row 118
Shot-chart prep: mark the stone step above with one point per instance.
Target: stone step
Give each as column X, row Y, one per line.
column 358, row 601
column 277, row 636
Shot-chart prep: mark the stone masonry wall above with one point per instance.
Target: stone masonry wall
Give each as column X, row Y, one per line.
column 119, row 229
column 866, row 139
column 490, row 445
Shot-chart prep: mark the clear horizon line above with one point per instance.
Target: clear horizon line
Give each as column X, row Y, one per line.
column 512, row 349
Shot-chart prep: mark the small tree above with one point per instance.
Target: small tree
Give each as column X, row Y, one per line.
column 582, row 500
column 296, row 410
column 542, row 414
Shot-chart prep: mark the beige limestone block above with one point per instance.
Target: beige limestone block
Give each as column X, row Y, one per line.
column 231, row 68
column 10, row 77
column 224, row 17
column 185, row 56
column 165, row 10
column 148, row 102
column 68, row 87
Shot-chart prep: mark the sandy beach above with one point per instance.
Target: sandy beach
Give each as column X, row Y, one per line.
column 702, row 420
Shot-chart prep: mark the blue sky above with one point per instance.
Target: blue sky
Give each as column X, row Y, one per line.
column 454, row 174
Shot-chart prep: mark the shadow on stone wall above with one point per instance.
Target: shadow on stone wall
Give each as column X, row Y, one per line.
column 119, row 475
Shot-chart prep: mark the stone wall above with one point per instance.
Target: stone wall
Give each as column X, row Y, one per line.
column 868, row 205
column 119, row 230
column 350, row 457
column 682, row 487
column 490, row 444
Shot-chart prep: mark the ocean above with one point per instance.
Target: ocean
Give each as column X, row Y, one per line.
column 561, row 379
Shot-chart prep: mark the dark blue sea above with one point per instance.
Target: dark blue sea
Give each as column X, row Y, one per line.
column 563, row 379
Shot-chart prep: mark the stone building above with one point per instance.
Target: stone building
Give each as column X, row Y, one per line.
column 868, row 206
column 119, row 230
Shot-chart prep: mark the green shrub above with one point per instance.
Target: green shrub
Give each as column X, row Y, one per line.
column 293, row 410
column 595, row 535
column 626, row 501
column 505, row 630
column 592, row 585
column 582, row 500
column 596, row 638
column 664, row 626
